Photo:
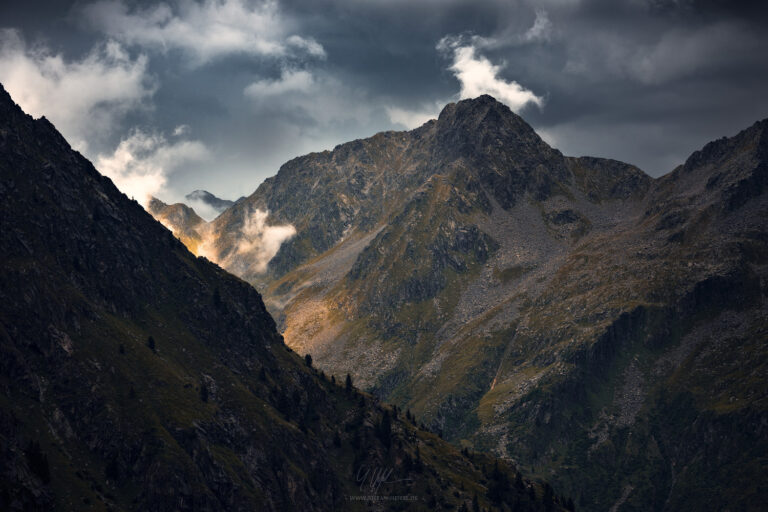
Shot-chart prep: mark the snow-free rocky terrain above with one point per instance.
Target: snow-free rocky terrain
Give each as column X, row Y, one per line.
column 601, row 328
column 136, row 376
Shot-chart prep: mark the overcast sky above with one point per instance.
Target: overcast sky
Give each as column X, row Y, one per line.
column 168, row 97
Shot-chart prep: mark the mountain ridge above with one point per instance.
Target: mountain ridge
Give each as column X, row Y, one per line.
column 136, row 376
column 468, row 271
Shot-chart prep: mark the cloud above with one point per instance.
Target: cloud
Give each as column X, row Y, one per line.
column 414, row 118
column 204, row 30
column 84, row 98
column 203, row 209
column 675, row 54
column 479, row 76
column 140, row 164
column 541, row 30
column 679, row 53
column 180, row 130
column 258, row 243
column 307, row 106
column 290, row 81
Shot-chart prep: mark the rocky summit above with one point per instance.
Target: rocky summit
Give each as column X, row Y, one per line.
column 136, row 376
column 596, row 326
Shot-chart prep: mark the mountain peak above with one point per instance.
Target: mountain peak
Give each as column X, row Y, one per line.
column 479, row 107
column 205, row 197
column 486, row 120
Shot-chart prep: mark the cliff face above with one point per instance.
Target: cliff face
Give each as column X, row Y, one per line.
column 135, row 376
column 598, row 326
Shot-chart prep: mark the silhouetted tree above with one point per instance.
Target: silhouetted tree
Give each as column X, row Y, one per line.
column 499, row 485
column 308, row 360
column 151, row 343
column 385, row 429
column 284, row 406
column 348, row 383
column 203, row 391
column 475, row 504
column 549, row 497
column 121, row 349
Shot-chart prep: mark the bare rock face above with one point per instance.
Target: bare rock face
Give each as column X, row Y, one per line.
column 135, row 376
column 600, row 327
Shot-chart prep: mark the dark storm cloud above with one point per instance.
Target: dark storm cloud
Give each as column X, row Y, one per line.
column 643, row 81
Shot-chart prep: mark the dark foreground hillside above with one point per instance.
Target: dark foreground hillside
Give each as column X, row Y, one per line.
column 134, row 376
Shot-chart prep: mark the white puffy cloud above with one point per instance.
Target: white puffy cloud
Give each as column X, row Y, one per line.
column 84, row 98
column 204, row 30
column 259, row 241
column 256, row 244
column 141, row 163
column 479, row 76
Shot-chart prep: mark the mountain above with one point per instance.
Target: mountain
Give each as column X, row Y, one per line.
column 597, row 326
column 136, row 376
column 211, row 200
column 183, row 222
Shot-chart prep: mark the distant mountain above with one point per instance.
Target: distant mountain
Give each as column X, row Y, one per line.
column 211, row 200
column 183, row 222
column 602, row 328
column 135, row 376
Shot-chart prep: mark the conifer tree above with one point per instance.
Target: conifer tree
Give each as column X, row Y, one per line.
column 348, row 382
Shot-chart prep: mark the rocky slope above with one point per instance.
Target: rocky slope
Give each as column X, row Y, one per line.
column 600, row 327
column 183, row 222
column 135, row 376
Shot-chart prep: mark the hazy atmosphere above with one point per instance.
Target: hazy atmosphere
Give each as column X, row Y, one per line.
column 168, row 97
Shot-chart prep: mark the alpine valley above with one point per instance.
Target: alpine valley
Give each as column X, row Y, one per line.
column 137, row 376
column 599, row 328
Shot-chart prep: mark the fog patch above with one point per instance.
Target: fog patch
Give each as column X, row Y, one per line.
column 259, row 242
